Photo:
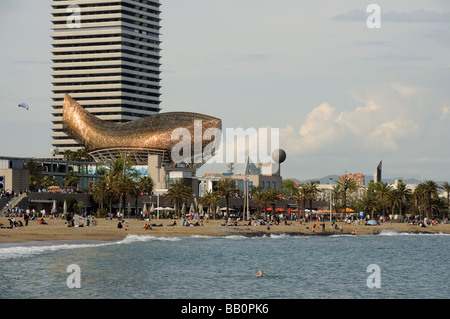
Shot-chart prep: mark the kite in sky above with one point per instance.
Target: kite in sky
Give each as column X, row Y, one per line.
column 24, row 105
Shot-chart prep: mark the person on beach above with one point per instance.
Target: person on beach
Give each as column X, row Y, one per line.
column 26, row 218
column 119, row 225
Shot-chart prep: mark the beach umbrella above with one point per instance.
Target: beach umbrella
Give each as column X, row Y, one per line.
column 192, row 208
column 54, row 206
column 217, row 210
column 144, row 210
column 65, row 208
column 152, row 209
column 183, row 209
column 200, row 208
column 129, row 209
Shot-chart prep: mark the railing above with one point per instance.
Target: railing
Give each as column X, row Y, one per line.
column 13, row 202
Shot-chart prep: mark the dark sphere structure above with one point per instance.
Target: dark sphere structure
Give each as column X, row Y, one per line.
column 279, row 156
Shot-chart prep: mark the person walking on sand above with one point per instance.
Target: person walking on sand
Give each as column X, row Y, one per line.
column 26, row 218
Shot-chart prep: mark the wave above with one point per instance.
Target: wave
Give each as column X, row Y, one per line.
column 397, row 233
column 32, row 250
column 143, row 238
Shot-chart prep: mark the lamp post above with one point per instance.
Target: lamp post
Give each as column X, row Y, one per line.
column 331, row 199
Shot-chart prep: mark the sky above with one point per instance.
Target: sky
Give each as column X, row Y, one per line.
column 342, row 96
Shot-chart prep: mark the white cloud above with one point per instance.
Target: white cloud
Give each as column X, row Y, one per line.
column 389, row 117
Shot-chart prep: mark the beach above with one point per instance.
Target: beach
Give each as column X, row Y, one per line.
column 107, row 230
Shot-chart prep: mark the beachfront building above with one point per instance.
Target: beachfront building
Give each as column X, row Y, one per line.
column 260, row 175
column 106, row 54
column 357, row 177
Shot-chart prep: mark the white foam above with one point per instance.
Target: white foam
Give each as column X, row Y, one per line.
column 143, row 238
column 32, row 250
column 396, row 233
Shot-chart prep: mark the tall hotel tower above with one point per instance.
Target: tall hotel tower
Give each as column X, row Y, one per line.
column 106, row 55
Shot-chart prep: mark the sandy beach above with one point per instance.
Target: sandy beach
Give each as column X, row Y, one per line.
column 107, row 230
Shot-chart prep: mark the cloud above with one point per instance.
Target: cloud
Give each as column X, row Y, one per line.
column 416, row 16
column 389, row 117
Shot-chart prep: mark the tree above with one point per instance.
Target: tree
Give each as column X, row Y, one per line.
column 209, row 199
column 369, row 203
column 226, row 188
column 403, row 194
column 69, row 155
column 271, row 197
column 177, row 193
column 100, row 194
column 48, row 181
column 446, row 188
column 146, row 184
column 311, row 192
column 113, row 188
column 347, row 184
column 35, row 174
column 258, row 196
column 431, row 189
column 289, row 189
column 71, row 179
column 297, row 196
column 382, row 191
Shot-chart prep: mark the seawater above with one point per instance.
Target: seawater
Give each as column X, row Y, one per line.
column 199, row 267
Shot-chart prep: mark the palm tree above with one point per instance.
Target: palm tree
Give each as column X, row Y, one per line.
column 311, row 192
column 146, row 184
column 177, row 193
column 347, row 184
column 271, row 198
column 100, row 193
column 258, row 196
column 431, row 189
column 369, row 203
column 446, row 188
column 69, row 155
column 113, row 188
column 394, row 199
column 209, row 199
column 404, row 194
column 35, row 174
column 382, row 191
column 71, row 179
column 48, row 181
column 226, row 188
column 297, row 196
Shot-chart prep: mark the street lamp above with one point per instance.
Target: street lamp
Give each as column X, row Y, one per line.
column 331, row 199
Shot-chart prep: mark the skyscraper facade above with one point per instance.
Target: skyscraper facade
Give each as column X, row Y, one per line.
column 106, row 55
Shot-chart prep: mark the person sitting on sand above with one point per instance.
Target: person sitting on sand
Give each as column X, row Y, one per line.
column 119, row 225
column 147, row 226
column 42, row 222
column 174, row 223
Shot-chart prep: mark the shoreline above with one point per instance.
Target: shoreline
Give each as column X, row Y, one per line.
column 106, row 230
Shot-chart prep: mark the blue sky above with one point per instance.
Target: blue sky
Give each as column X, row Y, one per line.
column 342, row 95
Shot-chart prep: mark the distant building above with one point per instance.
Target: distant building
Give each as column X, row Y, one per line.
column 377, row 174
column 358, row 178
column 13, row 176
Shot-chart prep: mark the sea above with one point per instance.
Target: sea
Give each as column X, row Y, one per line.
column 384, row 266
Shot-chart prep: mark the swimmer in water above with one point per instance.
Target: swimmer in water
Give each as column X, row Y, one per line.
column 260, row 273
